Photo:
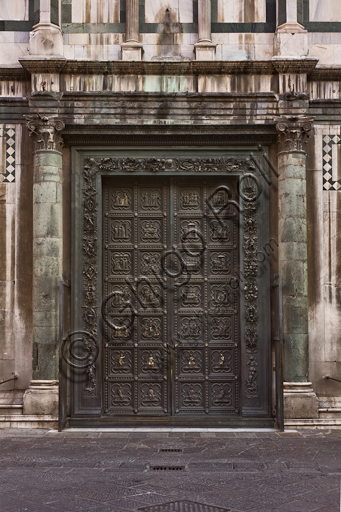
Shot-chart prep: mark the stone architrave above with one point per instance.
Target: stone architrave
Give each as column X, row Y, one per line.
column 300, row 401
column 132, row 48
column 204, row 48
column 40, row 398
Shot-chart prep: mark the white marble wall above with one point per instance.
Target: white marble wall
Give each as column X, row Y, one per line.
column 325, row 10
column 181, row 11
column 238, row 11
column 14, row 10
column 100, row 11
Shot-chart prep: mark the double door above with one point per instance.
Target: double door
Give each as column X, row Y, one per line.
column 171, row 342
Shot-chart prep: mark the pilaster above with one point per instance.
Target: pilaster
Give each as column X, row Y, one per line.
column 291, row 38
column 204, row 48
column 132, row 48
column 299, row 398
column 40, row 398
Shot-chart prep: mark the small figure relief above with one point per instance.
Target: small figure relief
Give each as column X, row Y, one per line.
column 191, row 361
column 121, row 395
column 190, row 199
column 220, row 231
column 221, row 361
column 121, row 295
column 251, row 339
column 90, row 387
column 151, row 199
column 150, row 263
column 151, row 231
column 121, row 231
column 121, row 199
column 121, row 263
column 150, row 296
column 89, row 247
column 151, row 329
column 220, row 296
column 89, row 315
column 251, row 381
column 221, row 328
column 191, row 395
column 151, row 361
column 193, row 264
column 191, row 328
column 90, row 293
column 151, row 395
column 190, row 296
column 249, row 224
column 220, row 263
column 251, row 245
column 89, row 222
column 189, row 230
column 121, row 329
column 121, row 362
column 219, row 200
column 251, row 314
column 222, row 395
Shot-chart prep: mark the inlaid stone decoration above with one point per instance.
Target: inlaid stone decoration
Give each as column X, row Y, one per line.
column 330, row 164
column 7, row 154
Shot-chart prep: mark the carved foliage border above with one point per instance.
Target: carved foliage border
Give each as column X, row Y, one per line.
column 90, row 246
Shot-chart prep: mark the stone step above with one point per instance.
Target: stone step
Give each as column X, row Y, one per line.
column 10, row 409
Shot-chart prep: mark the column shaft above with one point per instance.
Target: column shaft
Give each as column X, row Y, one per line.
column 132, row 20
column 204, row 20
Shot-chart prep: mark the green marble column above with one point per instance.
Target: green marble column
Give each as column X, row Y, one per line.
column 42, row 396
column 299, row 398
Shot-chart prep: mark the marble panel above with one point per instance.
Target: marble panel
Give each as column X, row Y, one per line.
column 324, row 52
column 14, row 10
column 181, row 11
column 324, row 10
column 101, row 11
column 240, row 11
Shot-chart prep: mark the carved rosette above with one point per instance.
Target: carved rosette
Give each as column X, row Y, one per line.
column 293, row 132
column 46, row 132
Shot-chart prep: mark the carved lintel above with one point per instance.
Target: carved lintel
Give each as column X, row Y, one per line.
column 293, row 132
column 45, row 131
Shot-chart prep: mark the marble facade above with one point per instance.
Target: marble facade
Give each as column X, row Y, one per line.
column 236, row 74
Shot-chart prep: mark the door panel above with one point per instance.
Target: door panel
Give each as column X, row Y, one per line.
column 171, row 343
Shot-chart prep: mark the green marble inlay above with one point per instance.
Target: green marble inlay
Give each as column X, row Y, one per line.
column 55, row 12
column 315, row 26
column 23, row 26
column 282, row 11
column 269, row 26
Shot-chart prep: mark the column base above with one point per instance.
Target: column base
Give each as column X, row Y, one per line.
column 41, row 398
column 291, row 39
column 300, row 401
column 131, row 50
column 204, row 50
column 46, row 39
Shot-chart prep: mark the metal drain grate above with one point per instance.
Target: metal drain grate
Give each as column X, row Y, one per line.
column 183, row 506
column 177, row 450
column 166, row 468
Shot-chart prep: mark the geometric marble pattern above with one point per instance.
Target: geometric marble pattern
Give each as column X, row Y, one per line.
column 9, row 135
column 328, row 182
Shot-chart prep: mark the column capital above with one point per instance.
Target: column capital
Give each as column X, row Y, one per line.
column 45, row 131
column 293, row 132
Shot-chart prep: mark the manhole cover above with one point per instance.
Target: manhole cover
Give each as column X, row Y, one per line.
column 183, row 506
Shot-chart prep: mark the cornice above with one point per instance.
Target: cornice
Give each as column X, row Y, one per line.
column 325, row 73
column 43, row 64
column 291, row 65
column 13, row 74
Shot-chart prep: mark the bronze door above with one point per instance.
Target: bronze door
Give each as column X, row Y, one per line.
column 171, row 333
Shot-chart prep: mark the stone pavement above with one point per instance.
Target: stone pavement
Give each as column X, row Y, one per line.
column 129, row 471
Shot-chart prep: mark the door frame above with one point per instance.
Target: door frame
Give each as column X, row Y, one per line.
column 255, row 407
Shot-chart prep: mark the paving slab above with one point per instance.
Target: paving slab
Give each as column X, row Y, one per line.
column 132, row 470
